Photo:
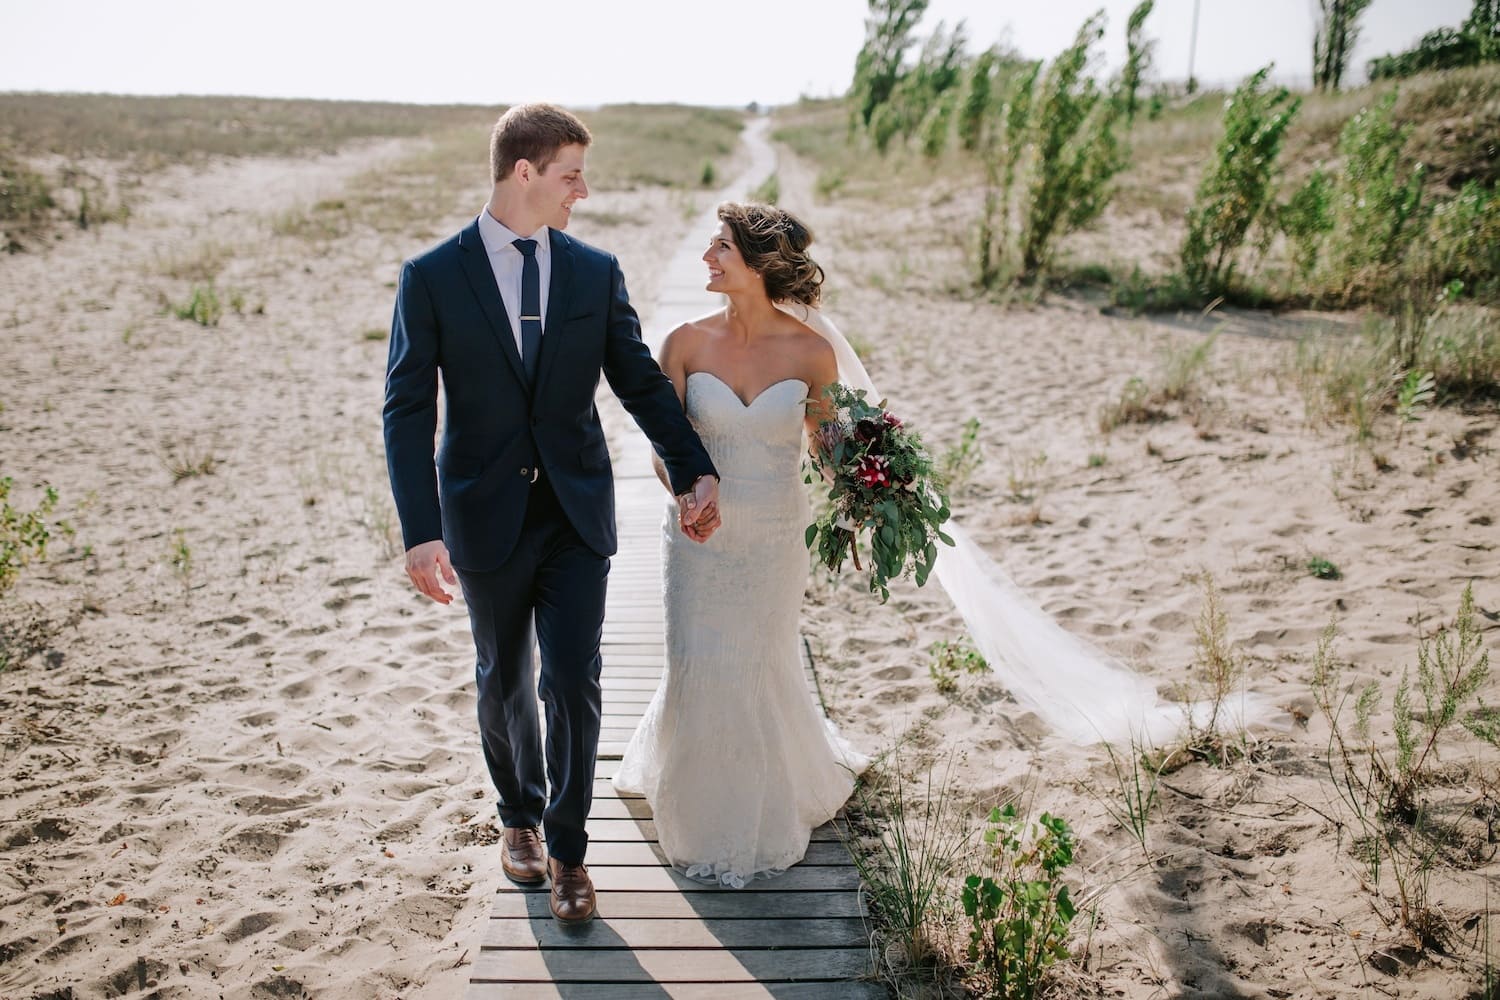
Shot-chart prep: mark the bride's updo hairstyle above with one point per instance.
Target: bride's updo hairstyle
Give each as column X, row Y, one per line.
column 774, row 244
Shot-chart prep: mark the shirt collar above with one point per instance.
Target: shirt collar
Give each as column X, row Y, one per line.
column 498, row 236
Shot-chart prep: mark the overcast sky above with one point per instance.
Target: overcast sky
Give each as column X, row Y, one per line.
column 586, row 52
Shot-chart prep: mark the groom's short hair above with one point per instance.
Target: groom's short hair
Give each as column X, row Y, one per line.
column 533, row 132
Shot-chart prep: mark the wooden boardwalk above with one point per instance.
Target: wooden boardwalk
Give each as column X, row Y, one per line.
column 800, row 936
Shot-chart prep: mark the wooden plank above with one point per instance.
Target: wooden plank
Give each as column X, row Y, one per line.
column 650, row 668
column 635, row 661
column 628, row 683
column 856, row 990
column 627, row 698
column 636, row 878
column 619, row 932
column 614, row 852
column 726, row 904
column 642, row 612
column 628, row 829
column 671, row 965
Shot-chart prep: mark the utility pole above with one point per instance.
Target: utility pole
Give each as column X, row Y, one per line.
column 1192, row 81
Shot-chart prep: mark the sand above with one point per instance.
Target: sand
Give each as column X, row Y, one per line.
column 244, row 763
column 1253, row 891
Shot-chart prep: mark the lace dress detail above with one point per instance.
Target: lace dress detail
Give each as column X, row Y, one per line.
column 733, row 754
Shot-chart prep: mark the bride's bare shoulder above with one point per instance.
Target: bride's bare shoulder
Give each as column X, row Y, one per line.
column 695, row 330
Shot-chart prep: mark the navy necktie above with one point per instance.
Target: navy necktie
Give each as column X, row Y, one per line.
column 531, row 307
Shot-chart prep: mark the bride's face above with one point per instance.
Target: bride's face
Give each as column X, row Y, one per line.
column 727, row 270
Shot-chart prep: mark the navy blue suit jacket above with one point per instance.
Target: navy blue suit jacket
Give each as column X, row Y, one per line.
column 451, row 320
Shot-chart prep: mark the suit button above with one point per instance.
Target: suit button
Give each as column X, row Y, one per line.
column 525, row 472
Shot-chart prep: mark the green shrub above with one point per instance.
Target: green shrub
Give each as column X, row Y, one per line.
column 23, row 534
column 25, row 204
column 1463, row 241
column 974, row 108
column 1238, row 188
column 1019, row 915
column 1002, row 158
column 1477, row 41
column 202, row 308
column 1306, row 219
column 768, row 192
column 889, row 32
column 1376, row 206
column 885, row 123
column 951, row 659
column 958, row 463
column 936, row 126
column 1076, row 151
column 1137, row 61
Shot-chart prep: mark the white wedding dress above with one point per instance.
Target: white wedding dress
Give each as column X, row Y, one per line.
column 737, row 761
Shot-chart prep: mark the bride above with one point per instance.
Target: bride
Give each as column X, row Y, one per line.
column 738, row 763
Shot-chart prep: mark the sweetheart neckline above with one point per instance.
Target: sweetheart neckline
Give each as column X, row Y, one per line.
column 744, row 405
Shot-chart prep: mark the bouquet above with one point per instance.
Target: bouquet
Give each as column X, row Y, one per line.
column 881, row 484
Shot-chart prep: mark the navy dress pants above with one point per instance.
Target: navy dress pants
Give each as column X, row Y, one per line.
column 551, row 589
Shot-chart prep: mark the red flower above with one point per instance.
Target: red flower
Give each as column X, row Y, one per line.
column 874, row 471
column 891, row 420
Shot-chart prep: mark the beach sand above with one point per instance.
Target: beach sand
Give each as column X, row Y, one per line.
column 1253, row 892
column 244, row 764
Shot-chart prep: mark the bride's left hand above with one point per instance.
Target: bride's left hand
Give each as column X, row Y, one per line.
column 698, row 511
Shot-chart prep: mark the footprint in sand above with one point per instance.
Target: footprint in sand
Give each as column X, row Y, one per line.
column 1170, row 621
column 44, row 830
column 249, row 926
column 897, row 673
column 431, row 646
column 258, row 843
column 260, row 720
column 297, row 690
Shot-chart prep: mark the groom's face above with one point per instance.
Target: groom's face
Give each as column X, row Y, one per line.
column 553, row 191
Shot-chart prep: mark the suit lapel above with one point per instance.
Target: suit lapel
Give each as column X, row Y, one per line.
column 557, row 295
column 476, row 264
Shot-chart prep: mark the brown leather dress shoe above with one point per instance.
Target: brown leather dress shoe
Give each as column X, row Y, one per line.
column 572, row 892
column 523, row 857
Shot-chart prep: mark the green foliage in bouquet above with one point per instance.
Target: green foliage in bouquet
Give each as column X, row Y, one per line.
column 880, row 483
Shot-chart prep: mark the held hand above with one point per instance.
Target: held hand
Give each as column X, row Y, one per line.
column 699, row 510
column 425, row 563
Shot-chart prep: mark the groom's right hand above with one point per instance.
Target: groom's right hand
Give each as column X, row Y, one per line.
column 425, row 563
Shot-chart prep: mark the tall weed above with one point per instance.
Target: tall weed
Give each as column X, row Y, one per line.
column 1400, row 831
column 915, row 850
column 1240, row 185
column 1076, row 151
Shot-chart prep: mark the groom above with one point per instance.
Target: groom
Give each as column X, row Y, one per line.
column 518, row 509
